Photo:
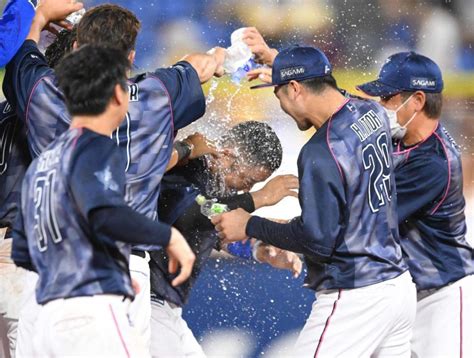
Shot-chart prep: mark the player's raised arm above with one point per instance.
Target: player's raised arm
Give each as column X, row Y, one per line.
column 51, row 11
column 207, row 64
column 192, row 147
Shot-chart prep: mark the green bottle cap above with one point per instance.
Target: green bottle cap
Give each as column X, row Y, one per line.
column 218, row 208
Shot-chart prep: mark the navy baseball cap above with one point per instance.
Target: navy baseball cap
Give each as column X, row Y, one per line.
column 405, row 72
column 298, row 63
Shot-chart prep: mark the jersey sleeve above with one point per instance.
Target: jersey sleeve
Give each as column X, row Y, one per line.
column 97, row 175
column 184, row 89
column 322, row 200
column 14, row 27
column 23, row 74
column 419, row 182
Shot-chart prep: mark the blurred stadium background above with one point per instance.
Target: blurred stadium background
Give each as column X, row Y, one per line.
column 246, row 309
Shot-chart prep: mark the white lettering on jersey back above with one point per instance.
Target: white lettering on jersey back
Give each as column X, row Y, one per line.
column 49, row 158
column 366, row 125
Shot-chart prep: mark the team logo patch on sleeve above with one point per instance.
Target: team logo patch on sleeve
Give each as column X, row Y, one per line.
column 105, row 177
column 421, row 82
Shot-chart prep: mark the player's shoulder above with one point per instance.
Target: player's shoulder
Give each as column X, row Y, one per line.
column 144, row 87
column 426, row 163
column 83, row 137
column 89, row 146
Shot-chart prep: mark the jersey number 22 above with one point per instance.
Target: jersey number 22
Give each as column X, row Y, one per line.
column 376, row 159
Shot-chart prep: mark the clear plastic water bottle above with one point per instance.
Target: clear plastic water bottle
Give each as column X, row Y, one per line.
column 210, row 207
column 75, row 17
column 239, row 57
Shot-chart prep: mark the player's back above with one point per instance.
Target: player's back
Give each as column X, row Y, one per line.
column 70, row 259
column 366, row 249
column 434, row 237
column 14, row 160
column 160, row 103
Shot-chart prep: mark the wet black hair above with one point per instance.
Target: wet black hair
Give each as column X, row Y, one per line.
column 257, row 142
column 61, row 46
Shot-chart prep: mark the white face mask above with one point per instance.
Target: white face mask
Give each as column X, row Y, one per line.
column 398, row 131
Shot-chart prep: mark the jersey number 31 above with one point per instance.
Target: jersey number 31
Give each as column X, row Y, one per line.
column 46, row 225
column 376, row 159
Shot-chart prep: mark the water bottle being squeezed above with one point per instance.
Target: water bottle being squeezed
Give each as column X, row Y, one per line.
column 239, row 58
column 210, row 207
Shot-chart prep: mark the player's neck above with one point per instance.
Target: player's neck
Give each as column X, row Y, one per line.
column 98, row 123
column 419, row 129
column 322, row 107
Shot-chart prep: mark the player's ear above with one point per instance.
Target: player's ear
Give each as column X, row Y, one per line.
column 419, row 99
column 120, row 96
column 75, row 46
column 294, row 89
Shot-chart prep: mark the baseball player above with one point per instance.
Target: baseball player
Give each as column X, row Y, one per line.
column 77, row 227
column 348, row 228
column 160, row 103
column 430, row 205
column 260, row 154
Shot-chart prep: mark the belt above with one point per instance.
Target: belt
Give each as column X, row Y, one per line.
column 139, row 253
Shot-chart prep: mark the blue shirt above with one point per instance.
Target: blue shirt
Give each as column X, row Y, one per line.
column 348, row 229
column 79, row 172
column 431, row 211
column 14, row 160
column 161, row 102
column 14, row 27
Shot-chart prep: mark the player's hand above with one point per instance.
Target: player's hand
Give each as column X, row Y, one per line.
column 255, row 41
column 201, row 146
column 218, row 54
column 278, row 258
column 56, row 11
column 264, row 74
column 179, row 254
column 275, row 190
column 231, row 226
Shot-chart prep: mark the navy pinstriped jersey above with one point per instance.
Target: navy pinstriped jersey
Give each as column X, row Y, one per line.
column 431, row 211
column 14, row 160
column 160, row 103
column 348, row 229
column 80, row 171
column 177, row 207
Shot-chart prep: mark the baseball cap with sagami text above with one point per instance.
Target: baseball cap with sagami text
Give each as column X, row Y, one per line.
column 298, row 63
column 405, row 72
